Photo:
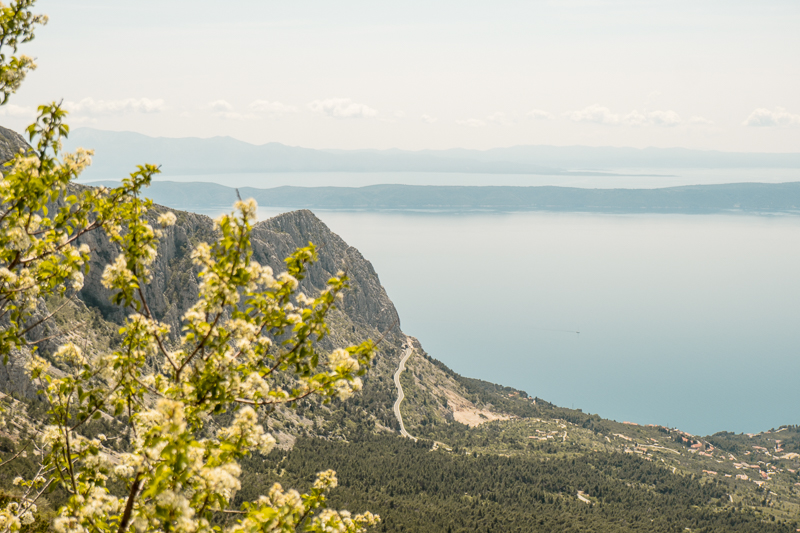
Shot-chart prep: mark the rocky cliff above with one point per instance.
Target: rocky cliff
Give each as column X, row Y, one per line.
column 435, row 396
column 11, row 143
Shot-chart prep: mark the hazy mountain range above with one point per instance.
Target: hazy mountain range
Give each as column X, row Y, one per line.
column 118, row 152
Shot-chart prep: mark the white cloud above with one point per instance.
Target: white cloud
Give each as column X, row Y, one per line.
column 652, row 96
column 78, row 120
column 664, row 118
column 471, row 122
column 219, row 106
column 634, row 118
column 594, row 113
column 429, row 119
column 272, row 108
column 223, row 109
column 701, row 121
column 399, row 114
column 538, row 114
column 764, row 118
column 90, row 106
column 603, row 115
column 11, row 110
column 341, row 108
column 652, row 118
column 500, row 118
column 233, row 115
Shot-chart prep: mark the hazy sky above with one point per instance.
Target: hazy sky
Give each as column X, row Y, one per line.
column 435, row 74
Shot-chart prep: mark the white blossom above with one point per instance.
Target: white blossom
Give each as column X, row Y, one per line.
column 167, row 219
column 340, row 359
column 326, row 480
column 246, row 429
column 116, row 274
column 255, row 387
column 77, row 280
column 285, row 277
column 17, row 238
column 36, row 365
column 248, row 208
column 78, row 161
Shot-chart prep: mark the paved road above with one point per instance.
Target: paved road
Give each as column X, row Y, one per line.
column 400, row 394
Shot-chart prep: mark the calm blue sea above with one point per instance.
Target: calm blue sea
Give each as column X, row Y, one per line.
column 691, row 321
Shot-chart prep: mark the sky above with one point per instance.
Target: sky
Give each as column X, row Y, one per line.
column 721, row 75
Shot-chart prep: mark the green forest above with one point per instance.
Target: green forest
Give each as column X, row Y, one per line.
column 416, row 489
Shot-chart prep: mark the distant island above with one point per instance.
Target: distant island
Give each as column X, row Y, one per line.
column 733, row 198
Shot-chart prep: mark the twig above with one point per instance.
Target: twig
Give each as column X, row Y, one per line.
column 126, row 515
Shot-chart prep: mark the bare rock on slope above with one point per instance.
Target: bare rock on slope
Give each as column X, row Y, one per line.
column 11, row 143
column 173, row 288
column 366, row 302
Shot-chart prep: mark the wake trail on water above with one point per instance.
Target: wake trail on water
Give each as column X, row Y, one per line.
column 557, row 330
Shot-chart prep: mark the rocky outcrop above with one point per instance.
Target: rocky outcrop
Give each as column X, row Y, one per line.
column 173, row 287
column 366, row 302
column 365, row 311
column 11, row 143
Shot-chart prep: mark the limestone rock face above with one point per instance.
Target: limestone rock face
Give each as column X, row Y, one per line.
column 365, row 311
column 366, row 302
column 11, row 143
column 173, row 288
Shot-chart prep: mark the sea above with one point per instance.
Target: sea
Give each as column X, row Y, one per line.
column 687, row 321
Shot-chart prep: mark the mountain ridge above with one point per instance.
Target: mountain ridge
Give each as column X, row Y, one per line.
column 119, row 152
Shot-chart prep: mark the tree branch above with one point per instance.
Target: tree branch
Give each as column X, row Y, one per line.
column 126, row 515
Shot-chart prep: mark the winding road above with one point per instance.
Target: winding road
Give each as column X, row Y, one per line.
column 400, row 394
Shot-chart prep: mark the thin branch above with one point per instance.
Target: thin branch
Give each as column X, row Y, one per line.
column 396, row 321
column 12, row 208
column 199, row 345
column 91, row 227
column 126, row 515
column 48, row 317
column 158, row 339
column 302, row 519
column 28, row 502
column 300, row 342
column 148, row 387
column 70, row 467
column 202, row 342
column 96, row 409
column 30, row 343
column 275, row 402
column 15, row 455
column 39, row 495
